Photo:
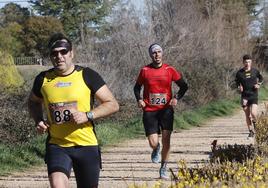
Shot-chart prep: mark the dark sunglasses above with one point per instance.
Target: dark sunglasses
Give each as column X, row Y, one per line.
column 62, row 52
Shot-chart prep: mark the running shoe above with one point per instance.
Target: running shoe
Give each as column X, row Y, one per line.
column 155, row 156
column 251, row 134
column 163, row 173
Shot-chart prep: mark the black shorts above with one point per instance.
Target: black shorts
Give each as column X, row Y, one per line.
column 156, row 121
column 85, row 161
column 248, row 101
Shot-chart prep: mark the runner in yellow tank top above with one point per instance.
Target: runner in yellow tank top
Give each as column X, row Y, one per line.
column 61, row 102
column 66, row 91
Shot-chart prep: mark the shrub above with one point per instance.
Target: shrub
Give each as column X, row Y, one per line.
column 15, row 123
column 9, row 75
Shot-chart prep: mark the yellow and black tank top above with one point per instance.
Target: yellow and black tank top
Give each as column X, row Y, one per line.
column 64, row 94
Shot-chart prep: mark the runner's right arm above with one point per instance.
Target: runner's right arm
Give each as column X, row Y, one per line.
column 238, row 82
column 35, row 107
column 137, row 90
column 35, row 104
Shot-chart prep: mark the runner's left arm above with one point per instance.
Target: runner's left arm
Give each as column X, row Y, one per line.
column 260, row 78
column 183, row 88
column 108, row 104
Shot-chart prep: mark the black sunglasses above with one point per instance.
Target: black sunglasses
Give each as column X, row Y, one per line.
column 62, row 52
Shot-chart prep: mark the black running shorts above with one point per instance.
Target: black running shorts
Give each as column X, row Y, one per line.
column 85, row 161
column 159, row 120
column 248, row 101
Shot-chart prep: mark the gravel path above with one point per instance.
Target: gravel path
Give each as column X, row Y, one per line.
column 129, row 163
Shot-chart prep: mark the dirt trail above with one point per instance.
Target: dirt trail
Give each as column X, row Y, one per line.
column 129, row 162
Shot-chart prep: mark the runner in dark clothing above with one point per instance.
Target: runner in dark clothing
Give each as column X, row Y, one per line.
column 248, row 81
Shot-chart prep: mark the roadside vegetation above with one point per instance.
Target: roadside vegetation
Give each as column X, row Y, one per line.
column 230, row 166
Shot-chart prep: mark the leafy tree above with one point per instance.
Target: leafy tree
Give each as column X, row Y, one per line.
column 79, row 17
column 251, row 6
column 24, row 35
column 12, row 17
column 209, row 6
column 12, row 12
column 9, row 37
column 37, row 31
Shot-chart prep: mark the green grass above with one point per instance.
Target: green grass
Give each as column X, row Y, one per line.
column 263, row 94
column 16, row 158
column 224, row 107
column 111, row 133
column 19, row 157
column 197, row 116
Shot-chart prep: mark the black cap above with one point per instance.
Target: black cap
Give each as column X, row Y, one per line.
column 58, row 37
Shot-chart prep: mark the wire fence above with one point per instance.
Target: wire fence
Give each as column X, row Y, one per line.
column 28, row 61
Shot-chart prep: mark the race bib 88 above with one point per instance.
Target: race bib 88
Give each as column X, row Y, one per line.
column 61, row 112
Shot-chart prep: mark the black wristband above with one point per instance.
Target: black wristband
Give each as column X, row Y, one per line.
column 40, row 119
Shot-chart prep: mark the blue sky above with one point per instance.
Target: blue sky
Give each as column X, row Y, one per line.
column 22, row 3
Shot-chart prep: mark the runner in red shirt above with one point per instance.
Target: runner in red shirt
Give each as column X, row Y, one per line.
column 157, row 103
